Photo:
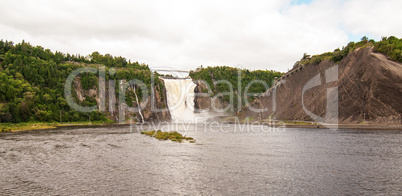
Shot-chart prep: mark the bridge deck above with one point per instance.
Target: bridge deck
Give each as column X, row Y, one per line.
column 169, row 77
column 169, row 70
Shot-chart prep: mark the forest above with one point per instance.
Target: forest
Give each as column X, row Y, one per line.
column 32, row 82
column 256, row 82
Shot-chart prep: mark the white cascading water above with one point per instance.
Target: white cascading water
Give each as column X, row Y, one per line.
column 180, row 99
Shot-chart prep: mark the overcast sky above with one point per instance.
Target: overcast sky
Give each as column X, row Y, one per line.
column 185, row 34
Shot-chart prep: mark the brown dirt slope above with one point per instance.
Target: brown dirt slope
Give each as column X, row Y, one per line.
column 369, row 87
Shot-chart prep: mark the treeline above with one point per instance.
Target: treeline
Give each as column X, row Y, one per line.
column 252, row 80
column 32, row 82
column 389, row 46
column 108, row 60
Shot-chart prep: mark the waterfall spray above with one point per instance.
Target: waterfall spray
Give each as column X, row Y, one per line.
column 180, row 99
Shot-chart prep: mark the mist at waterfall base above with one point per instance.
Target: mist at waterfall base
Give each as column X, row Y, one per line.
column 180, row 100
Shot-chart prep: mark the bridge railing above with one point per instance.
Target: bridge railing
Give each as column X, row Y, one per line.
column 171, row 70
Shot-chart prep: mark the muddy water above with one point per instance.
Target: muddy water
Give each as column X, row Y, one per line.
column 115, row 161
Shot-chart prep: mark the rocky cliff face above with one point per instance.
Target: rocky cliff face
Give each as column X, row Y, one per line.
column 160, row 104
column 159, row 113
column 204, row 103
column 369, row 89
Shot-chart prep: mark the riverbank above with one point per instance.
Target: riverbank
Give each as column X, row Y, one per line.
column 14, row 127
column 344, row 126
column 311, row 125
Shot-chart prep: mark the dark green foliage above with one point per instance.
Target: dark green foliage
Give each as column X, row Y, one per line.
column 338, row 55
column 140, row 75
column 391, row 47
column 230, row 74
column 110, row 61
column 364, row 39
column 32, row 82
column 316, row 59
column 89, row 81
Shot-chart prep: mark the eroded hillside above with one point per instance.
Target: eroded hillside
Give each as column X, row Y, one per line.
column 369, row 89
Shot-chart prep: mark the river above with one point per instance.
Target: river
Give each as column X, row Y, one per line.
column 118, row 160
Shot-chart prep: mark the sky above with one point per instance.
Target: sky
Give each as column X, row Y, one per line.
column 184, row 34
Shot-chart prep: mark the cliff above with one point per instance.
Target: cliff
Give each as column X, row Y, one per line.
column 206, row 103
column 369, row 90
column 112, row 111
column 218, row 82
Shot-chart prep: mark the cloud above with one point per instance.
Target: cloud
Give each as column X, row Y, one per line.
column 185, row 34
column 374, row 18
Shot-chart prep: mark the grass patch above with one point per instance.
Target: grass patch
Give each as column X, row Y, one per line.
column 12, row 127
column 83, row 123
column 300, row 123
column 288, row 122
column 171, row 135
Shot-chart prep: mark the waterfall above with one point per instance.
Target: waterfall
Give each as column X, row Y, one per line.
column 180, row 99
column 139, row 104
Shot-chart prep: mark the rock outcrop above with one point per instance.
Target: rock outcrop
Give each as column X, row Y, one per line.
column 157, row 113
column 369, row 90
column 203, row 102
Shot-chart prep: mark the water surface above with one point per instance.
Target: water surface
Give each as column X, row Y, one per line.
column 115, row 161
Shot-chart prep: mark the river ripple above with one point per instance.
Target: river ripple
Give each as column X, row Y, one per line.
column 116, row 161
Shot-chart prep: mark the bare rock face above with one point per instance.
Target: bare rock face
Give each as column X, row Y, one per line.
column 204, row 102
column 369, row 89
column 154, row 109
column 160, row 112
column 201, row 102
